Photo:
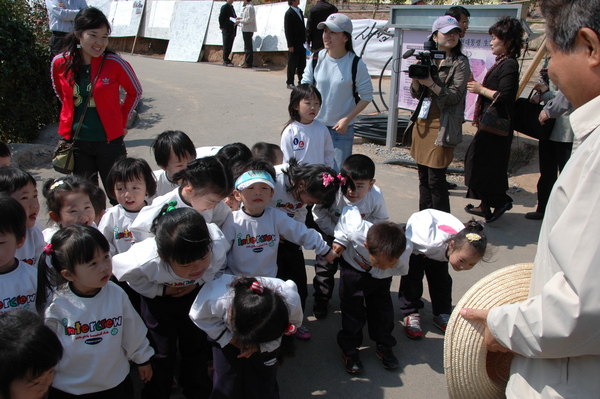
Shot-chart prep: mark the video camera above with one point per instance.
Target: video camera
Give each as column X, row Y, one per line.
column 426, row 57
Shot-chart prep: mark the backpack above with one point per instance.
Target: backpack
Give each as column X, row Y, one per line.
column 315, row 59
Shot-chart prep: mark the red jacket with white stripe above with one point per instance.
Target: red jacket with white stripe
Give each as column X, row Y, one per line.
column 115, row 73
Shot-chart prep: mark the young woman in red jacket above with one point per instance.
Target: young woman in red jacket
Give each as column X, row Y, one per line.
column 100, row 140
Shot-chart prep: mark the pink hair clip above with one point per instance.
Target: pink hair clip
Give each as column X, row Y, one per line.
column 342, row 179
column 257, row 287
column 48, row 249
column 290, row 330
column 328, row 179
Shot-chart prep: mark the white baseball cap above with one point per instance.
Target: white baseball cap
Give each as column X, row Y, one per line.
column 337, row 23
column 445, row 24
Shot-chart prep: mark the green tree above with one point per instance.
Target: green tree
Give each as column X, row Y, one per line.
column 27, row 100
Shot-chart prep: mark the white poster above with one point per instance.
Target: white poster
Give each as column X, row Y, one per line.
column 124, row 16
column 189, row 30
column 373, row 44
column 476, row 46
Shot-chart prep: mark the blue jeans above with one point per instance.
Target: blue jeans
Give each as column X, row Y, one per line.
column 342, row 146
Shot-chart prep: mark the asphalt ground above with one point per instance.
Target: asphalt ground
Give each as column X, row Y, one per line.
column 216, row 105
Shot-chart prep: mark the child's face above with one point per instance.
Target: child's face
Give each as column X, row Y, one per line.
column 361, row 189
column 255, row 198
column 89, row 277
column 131, row 195
column 8, row 247
column 382, row 262
column 76, row 209
column 201, row 200
column 176, row 164
column 5, row 161
column 32, row 388
column 308, row 108
column 231, row 202
column 464, row 258
column 28, row 198
column 191, row 271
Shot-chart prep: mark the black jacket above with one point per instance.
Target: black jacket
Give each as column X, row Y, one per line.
column 318, row 13
column 294, row 28
column 225, row 23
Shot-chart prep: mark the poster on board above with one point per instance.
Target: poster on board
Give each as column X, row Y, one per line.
column 476, row 46
column 373, row 44
column 189, row 30
column 124, row 16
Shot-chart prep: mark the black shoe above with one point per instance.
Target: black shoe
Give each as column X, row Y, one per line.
column 498, row 212
column 320, row 308
column 534, row 215
column 471, row 210
column 291, row 87
column 352, row 362
column 451, row 186
column 387, row 357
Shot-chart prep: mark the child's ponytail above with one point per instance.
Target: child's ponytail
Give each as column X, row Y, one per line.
column 319, row 181
column 259, row 315
column 472, row 235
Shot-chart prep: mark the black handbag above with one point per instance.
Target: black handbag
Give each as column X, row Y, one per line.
column 526, row 119
column 491, row 122
column 63, row 158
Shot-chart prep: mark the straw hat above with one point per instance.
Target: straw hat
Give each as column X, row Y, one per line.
column 471, row 371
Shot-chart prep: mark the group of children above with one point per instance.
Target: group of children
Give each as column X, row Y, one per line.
column 203, row 258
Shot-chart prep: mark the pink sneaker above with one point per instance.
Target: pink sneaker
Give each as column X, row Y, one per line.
column 302, row 333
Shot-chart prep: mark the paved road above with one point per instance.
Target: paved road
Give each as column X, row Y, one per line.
column 215, row 105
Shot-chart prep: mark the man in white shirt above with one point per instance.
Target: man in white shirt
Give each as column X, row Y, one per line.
column 555, row 333
column 61, row 14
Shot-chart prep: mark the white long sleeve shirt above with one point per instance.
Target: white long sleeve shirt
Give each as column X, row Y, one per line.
column 212, row 307
column 116, row 227
column 372, row 208
column 283, row 200
column 556, row 331
column 143, row 222
column 309, row 144
column 255, row 241
column 32, row 247
column 351, row 232
column 99, row 334
column 429, row 231
column 18, row 288
column 149, row 275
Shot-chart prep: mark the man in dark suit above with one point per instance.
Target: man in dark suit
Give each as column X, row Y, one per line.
column 318, row 13
column 294, row 35
column 227, row 25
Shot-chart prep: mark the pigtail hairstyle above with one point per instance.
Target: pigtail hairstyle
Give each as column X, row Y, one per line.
column 28, row 348
column 319, row 181
column 88, row 18
column 181, row 234
column 259, row 315
column 127, row 170
column 69, row 247
column 209, row 174
column 54, row 190
column 301, row 92
column 471, row 235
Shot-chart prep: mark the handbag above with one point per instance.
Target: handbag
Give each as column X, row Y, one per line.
column 63, row 158
column 491, row 122
column 526, row 119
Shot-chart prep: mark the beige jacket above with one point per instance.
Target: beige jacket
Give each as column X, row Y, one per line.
column 557, row 330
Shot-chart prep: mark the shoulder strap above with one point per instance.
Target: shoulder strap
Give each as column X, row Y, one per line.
column 354, row 70
column 315, row 59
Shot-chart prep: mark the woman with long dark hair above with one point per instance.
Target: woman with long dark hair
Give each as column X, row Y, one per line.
column 87, row 68
column 435, row 135
column 486, row 160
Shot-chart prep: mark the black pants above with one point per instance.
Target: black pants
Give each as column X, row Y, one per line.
column 296, row 64
column 438, row 278
column 364, row 299
column 244, row 378
column 122, row 391
column 433, row 189
column 57, row 42
column 324, row 280
column 248, row 49
column 170, row 329
column 227, row 45
column 291, row 266
column 93, row 157
column 553, row 156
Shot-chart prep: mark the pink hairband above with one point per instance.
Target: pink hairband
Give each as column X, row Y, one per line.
column 257, row 287
column 48, row 249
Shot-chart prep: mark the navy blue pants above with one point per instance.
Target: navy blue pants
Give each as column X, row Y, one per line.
column 438, row 278
column 244, row 378
column 170, row 329
column 291, row 266
column 364, row 299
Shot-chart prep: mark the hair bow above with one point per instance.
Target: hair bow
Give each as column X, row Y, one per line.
column 257, row 287
column 328, row 179
column 48, row 249
column 342, row 179
column 290, row 330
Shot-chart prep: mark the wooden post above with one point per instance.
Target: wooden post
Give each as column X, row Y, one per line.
column 532, row 67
